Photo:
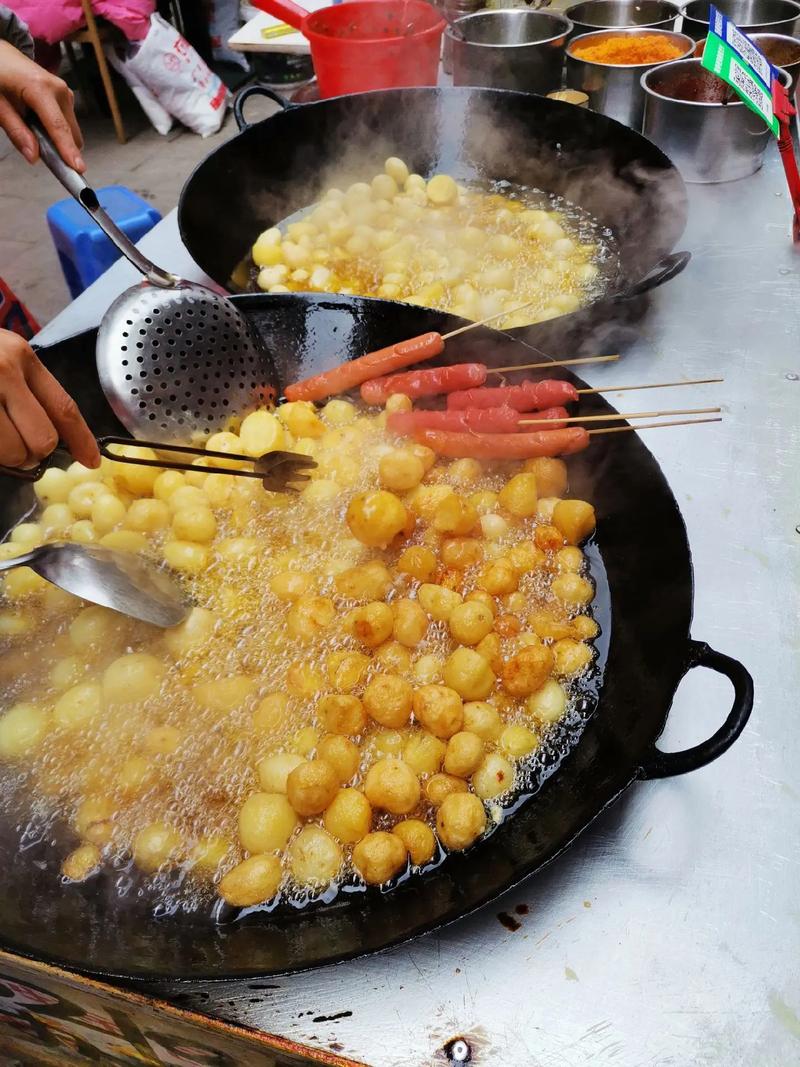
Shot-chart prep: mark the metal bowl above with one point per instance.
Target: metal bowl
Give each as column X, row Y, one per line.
column 769, row 42
column 509, row 49
column 708, row 141
column 622, row 14
column 751, row 16
column 616, row 90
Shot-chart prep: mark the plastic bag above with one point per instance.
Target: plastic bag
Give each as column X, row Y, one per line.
column 159, row 117
column 167, row 65
column 223, row 24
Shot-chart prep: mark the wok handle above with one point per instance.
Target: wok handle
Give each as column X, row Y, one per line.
column 667, row 764
column 255, row 90
column 666, row 269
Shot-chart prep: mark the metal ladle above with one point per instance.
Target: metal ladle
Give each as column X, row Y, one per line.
column 121, row 581
column 173, row 357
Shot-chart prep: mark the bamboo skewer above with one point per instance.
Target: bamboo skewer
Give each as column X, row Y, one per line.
column 654, row 385
column 652, row 425
column 555, row 363
column 621, row 415
column 489, row 318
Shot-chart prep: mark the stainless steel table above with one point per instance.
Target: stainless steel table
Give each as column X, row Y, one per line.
column 670, row 933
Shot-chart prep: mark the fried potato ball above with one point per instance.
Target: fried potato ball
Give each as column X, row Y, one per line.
column 348, row 816
column 464, row 754
column 376, row 518
column 266, row 822
column 526, row 672
column 341, row 753
column 379, row 856
column 417, row 561
column 371, row 624
column 551, row 475
column 460, row 820
column 343, row 714
column 253, row 881
column 439, row 709
column 311, row 786
column 575, row 519
column 418, row 839
column 494, row 776
column 439, row 786
column 423, row 752
column 273, row 771
column 314, row 857
column 467, row 672
column 387, row 700
column 154, row 845
column 392, row 786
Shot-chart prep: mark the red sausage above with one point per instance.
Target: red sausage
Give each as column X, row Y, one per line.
column 505, row 445
column 476, row 420
column 352, row 373
column 489, row 420
column 417, row 383
column 524, row 397
column 552, row 415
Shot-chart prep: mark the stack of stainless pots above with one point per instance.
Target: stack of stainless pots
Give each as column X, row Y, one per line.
column 455, row 9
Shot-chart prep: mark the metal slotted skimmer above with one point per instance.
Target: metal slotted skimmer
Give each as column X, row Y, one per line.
column 175, row 359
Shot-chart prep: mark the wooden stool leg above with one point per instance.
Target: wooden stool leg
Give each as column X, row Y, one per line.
column 105, row 73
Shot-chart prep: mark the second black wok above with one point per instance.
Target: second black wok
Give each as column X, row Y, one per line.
column 280, row 165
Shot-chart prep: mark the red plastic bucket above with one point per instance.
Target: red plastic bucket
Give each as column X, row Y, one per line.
column 368, row 44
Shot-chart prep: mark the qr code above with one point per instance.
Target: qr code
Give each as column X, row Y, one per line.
column 743, row 81
column 750, row 53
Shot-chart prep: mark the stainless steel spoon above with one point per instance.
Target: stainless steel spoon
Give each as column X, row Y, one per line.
column 121, row 581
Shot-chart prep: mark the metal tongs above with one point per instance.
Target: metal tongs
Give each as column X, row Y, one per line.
column 275, row 470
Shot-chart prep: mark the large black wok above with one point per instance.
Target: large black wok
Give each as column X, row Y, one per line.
column 277, row 166
column 642, row 565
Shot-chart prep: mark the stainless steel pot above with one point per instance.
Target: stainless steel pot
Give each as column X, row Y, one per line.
column 621, row 14
column 751, row 16
column 768, row 42
column 707, row 142
column 616, row 91
column 509, row 49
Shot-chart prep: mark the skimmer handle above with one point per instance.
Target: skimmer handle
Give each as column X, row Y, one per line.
column 87, row 198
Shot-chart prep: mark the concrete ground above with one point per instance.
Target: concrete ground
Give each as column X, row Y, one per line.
column 153, row 166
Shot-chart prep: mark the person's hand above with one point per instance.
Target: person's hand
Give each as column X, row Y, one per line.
column 35, row 412
column 24, row 85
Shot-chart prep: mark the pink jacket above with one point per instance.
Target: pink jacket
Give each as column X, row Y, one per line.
column 53, row 20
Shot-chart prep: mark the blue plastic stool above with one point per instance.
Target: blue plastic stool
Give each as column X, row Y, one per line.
column 83, row 249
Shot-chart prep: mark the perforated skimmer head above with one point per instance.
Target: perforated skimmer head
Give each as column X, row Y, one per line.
column 175, row 359
column 180, row 362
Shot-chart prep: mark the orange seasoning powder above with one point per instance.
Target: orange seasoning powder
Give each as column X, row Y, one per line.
column 622, row 50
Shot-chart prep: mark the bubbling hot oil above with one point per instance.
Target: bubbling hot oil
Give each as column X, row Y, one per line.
column 186, row 755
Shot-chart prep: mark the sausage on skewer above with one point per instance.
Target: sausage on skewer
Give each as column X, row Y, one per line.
column 474, row 420
column 527, row 396
column 504, row 445
column 351, row 374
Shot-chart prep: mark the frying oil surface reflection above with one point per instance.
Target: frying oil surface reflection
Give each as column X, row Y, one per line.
column 469, row 249
column 374, row 670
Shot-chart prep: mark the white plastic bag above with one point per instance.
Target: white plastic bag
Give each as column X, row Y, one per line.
column 167, row 65
column 160, row 118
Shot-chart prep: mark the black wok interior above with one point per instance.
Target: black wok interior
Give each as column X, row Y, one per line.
column 646, row 615
column 277, row 166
